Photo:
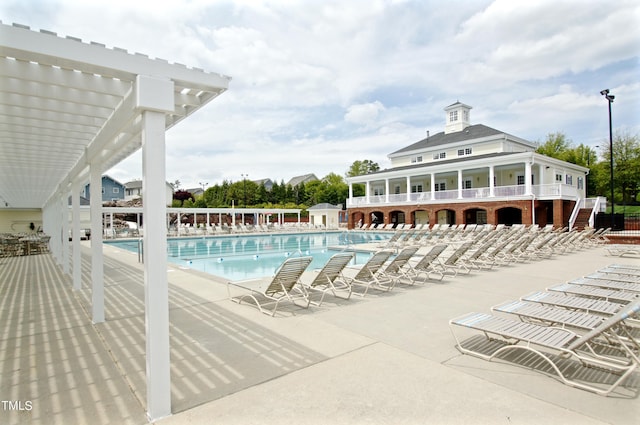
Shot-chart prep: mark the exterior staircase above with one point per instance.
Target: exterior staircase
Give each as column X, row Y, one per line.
column 582, row 220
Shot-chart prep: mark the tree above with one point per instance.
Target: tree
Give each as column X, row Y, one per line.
column 359, row 168
column 182, row 195
column 626, row 167
column 556, row 146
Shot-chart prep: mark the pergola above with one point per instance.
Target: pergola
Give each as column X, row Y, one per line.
column 71, row 110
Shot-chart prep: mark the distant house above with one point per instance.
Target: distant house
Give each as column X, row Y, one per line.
column 306, row 178
column 112, row 190
column 196, row 191
column 268, row 183
column 133, row 189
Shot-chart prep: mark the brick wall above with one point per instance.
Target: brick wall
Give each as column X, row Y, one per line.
column 499, row 212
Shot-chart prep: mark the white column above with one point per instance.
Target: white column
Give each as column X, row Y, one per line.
column 408, row 188
column 491, row 181
column 459, row 184
column 350, row 190
column 77, row 257
column 155, row 98
column 366, row 193
column 433, row 186
column 97, row 262
column 155, row 266
column 56, row 246
column 64, row 239
column 527, row 178
column 386, row 191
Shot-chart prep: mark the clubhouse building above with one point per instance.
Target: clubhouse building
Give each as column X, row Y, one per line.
column 469, row 174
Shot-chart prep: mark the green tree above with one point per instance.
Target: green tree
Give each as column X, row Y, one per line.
column 359, row 168
column 626, row 168
column 556, row 146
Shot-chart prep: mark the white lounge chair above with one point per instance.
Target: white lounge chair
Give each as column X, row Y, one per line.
column 424, row 267
column 368, row 275
column 283, row 286
column 505, row 336
column 327, row 279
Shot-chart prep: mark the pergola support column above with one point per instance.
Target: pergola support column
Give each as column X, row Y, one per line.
column 97, row 261
column 155, row 97
column 77, row 257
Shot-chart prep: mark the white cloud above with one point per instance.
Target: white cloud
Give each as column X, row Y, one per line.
column 318, row 85
column 364, row 114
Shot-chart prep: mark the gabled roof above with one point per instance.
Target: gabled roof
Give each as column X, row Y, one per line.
column 427, row 165
column 302, row 179
column 137, row 184
column 325, row 206
column 133, row 184
column 476, row 131
column 456, row 104
column 266, row 182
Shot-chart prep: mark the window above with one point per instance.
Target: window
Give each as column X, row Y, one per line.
column 559, row 178
column 467, row 184
column 397, row 190
column 520, row 179
column 465, row 151
column 116, row 190
column 103, row 190
column 415, row 159
column 439, row 155
column 378, row 191
column 416, row 188
column 465, row 115
column 580, row 182
column 453, row 116
column 569, row 180
column 440, row 186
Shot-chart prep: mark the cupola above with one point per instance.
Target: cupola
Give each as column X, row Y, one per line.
column 457, row 117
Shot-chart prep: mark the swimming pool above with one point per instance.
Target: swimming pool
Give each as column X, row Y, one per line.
column 238, row 257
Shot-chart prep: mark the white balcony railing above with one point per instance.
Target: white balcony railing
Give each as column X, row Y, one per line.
column 546, row 191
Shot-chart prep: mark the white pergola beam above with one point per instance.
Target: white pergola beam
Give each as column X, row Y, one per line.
column 55, row 76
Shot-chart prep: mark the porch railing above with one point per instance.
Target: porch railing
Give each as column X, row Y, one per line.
column 548, row 191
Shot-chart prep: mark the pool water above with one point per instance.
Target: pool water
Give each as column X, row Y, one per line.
column 245, row 257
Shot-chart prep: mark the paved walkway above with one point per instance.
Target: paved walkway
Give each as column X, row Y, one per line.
column 388, row 358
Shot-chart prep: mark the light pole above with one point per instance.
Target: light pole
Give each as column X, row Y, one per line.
column 610, row 98
column 203, row 185
column 244, row 188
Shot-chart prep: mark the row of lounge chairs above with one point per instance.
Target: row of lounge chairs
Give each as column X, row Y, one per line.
column 587, row 324
column 389, row 267
column 225, row 229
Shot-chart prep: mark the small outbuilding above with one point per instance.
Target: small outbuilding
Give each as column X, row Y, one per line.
column 325, row 214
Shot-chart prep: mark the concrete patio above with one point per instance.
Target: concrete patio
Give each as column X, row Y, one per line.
column 388, row 358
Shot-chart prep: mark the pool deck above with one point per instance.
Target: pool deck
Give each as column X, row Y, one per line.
column 388, row 358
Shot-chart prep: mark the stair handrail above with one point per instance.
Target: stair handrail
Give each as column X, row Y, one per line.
column 574, row 213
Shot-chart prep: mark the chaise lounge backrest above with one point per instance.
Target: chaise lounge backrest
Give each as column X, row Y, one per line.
column 630, row 309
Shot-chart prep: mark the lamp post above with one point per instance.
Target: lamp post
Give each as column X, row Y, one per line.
column 244, row 188
column 610, row 98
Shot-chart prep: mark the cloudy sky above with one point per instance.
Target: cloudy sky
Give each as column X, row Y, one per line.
column 319, row 84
